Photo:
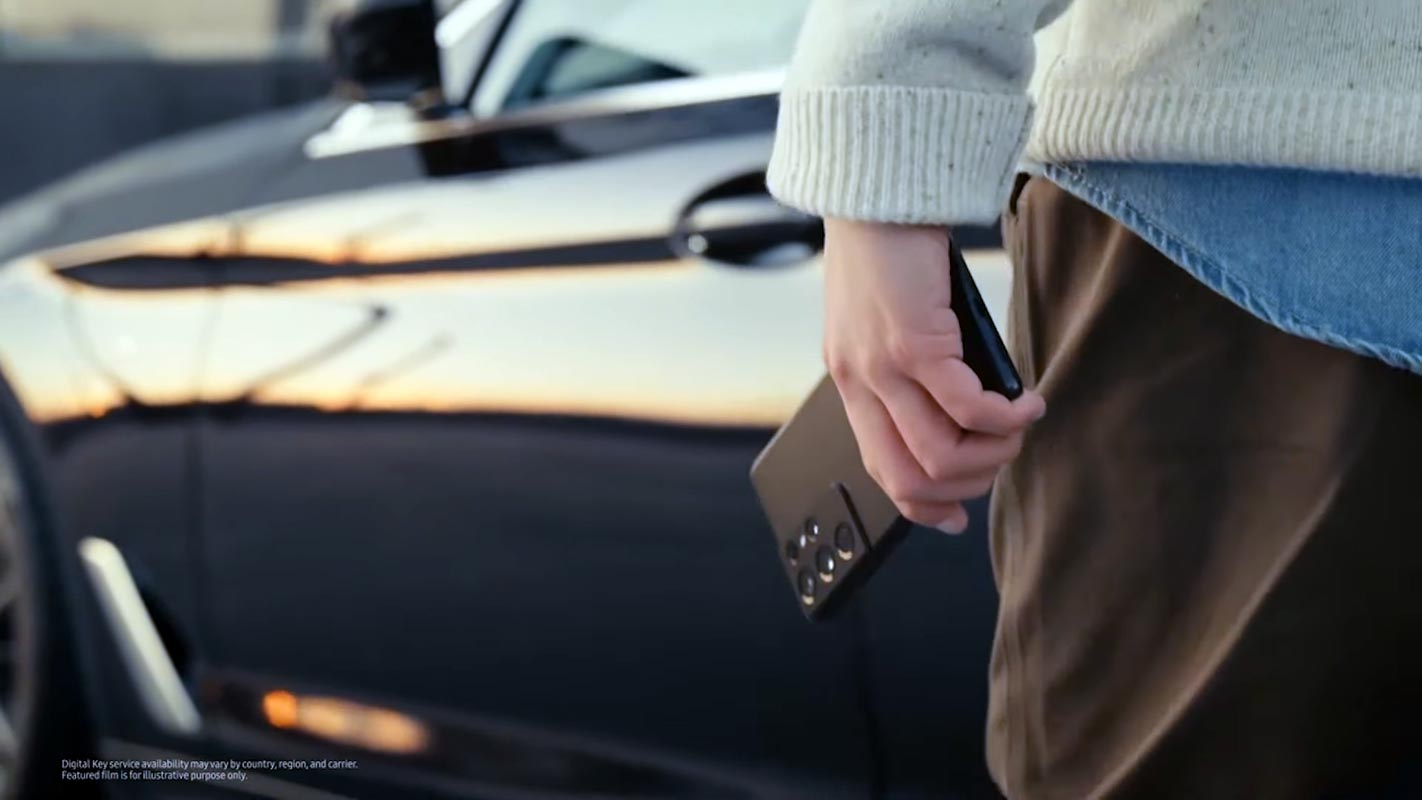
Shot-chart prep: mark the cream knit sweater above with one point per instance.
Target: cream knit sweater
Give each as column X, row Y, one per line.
column 918, row 110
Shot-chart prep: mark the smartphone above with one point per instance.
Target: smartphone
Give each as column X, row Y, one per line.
column 833, row 525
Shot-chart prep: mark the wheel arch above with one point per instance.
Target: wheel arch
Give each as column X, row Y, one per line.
column 24, row 456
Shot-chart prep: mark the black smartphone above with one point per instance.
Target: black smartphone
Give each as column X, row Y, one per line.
column 833, row 525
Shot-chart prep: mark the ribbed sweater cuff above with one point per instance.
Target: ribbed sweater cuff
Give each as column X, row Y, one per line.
column 897, row 153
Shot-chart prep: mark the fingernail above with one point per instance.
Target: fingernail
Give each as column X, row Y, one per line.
column 1041, row 410
column 952, row 526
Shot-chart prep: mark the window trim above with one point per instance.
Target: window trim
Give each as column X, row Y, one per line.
column 411, row 130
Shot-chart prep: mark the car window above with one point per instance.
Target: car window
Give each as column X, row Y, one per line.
column 555, row 49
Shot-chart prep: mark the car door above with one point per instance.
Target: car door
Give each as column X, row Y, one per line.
column 479, row 416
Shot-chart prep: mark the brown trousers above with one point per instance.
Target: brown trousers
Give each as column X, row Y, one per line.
column 1210, row 550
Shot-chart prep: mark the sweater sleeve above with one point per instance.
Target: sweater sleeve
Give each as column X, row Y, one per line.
column 912, row 111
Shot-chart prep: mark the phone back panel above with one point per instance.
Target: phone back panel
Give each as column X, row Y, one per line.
column 800, row 468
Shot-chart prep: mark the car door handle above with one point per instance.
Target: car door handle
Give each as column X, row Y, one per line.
column 747, row 230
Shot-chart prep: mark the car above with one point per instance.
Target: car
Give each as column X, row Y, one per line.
column 396, row 445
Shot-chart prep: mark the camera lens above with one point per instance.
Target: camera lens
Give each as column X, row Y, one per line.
column 824, row 563
column 806, row 581
column 792, row 551
column 812, row 528
column 844, row 541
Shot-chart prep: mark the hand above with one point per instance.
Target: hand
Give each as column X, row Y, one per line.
column 928, row 432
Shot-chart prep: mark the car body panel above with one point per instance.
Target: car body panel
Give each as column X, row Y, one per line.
column 457, row 430
column 502, row 434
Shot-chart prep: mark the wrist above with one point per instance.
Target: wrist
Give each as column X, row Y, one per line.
column 848, row 226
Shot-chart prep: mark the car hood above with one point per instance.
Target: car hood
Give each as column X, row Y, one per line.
column 210, row 171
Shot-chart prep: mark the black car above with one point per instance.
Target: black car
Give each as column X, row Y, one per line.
column 400, row 449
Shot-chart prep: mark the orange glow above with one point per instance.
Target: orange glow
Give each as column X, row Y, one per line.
column 326, row 718
column 685, row 344
column 280, row 709
column 179, row 240
column 346, row 722
column 394, row 733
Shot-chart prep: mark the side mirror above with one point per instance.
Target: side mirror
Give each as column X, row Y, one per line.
column 386, row 50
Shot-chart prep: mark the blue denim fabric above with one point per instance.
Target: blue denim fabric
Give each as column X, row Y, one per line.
column 1332, row 257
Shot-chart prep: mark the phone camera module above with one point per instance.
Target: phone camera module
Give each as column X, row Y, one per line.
column 844, row 542
column 812, row 528
column 792, row 551
column 824, row 563
column 805, row 581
